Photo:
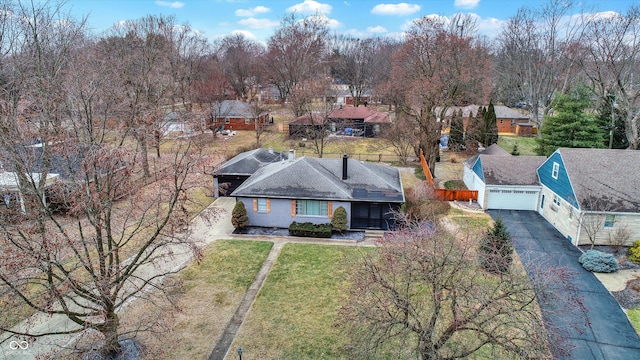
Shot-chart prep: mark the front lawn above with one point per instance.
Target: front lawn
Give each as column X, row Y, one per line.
column 293, row 316
column 634, row 317
column 210, row 294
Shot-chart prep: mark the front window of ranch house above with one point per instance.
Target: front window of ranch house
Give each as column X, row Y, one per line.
column 312, row 208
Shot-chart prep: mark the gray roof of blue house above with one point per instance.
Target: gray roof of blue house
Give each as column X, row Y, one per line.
column 598, row 175
column 249, row 162
column 511, row 170
column 321, row 179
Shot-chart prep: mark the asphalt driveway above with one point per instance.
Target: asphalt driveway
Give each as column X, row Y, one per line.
column 599, row 329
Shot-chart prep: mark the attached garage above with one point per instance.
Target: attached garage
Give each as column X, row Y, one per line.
column 512, row 199
column 504, row 181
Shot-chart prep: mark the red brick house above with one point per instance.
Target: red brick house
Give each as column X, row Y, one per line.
column 507, row 120
column 236, row 115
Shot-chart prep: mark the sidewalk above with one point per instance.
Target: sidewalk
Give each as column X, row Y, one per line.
column 204, row 231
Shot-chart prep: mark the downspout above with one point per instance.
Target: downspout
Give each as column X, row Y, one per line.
column 577, row 238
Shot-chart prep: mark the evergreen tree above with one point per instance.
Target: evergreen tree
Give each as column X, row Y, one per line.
column 239, row 217
column 516, row 150
column 456, row 132
column 610, row 117
column 473, row 134
column 339, row 219
column 489, row 128
column 570, row 125
column 496, row 251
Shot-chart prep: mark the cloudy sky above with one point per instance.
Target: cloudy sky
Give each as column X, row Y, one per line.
column 258, row 18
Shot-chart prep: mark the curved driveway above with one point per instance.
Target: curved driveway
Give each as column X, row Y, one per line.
column 606, row 333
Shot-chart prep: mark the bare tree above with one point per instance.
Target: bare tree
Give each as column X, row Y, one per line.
column 83, row 265
column 423, row 295
column 295, row 51
column 436, row 70
column 609, row 59
column 403, row 138
column 314, row 99
column 353, row 62
column 535, row 57
column 242, row 64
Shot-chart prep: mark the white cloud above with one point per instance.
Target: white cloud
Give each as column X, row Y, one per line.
column 466, row 4
column 252, row 12
column 395, row 9
column 175, row 4
column 247, row 34
column 369, row 32
column 258, row 23
column 331, row 23
column 376, row 30
column 310, row 7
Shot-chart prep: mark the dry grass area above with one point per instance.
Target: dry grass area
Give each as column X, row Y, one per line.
column 205, row 301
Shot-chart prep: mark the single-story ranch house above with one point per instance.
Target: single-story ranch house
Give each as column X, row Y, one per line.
column 365, row 120
column 586, row 194
column 236, row 115
column 310, row 189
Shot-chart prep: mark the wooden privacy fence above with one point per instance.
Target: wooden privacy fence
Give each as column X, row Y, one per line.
column 447, row 194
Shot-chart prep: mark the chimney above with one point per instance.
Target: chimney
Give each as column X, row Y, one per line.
column 345, row 159
column 271, row 150
column 292, row 155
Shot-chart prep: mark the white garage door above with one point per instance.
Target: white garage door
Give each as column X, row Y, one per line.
column 512, row 199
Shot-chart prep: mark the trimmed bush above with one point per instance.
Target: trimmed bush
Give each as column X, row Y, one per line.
column 239, row 217
column 597, row 261
column 308, row 229
column 339, row 219
column 634, row 252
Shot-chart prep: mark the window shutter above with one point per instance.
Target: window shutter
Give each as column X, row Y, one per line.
column 255, row 205
column 293, row 208
column 329, row 209
column 268, row 206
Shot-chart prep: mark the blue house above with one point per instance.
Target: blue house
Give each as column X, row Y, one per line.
column 592, row 195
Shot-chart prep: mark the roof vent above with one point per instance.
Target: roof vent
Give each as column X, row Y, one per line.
column 271, row 150
column 292, row 155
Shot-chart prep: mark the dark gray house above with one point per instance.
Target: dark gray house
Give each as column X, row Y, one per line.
column 310, row 189
column 234, row 172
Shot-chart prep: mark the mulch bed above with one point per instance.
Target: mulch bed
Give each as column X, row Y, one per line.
column 628, row 298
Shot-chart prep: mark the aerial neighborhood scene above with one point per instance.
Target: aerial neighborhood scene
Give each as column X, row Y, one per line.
column 319, row 179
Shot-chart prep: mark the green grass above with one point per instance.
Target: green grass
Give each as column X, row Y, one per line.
column 472, row 222
column 455, row 185
column 634, row 317
column 294, row 314
column 211, row 293
column 526, row 145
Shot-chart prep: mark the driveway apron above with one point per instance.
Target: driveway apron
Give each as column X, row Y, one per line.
column 607, row 332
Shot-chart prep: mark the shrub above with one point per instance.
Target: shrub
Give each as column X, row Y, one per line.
column 634, row 252
column 308, row 229
column 597, row 261
column 239, row 217
column 339, row 220
column 496, row 251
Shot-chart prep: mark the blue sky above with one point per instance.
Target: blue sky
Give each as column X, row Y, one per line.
column 258, row 18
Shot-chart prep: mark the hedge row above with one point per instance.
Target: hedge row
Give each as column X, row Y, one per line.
column 308, row 229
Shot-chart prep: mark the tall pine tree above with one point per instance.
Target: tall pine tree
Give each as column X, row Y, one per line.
column 489, row 128
column 496, row 250
column 570, row 125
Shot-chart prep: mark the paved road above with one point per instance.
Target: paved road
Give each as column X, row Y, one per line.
column 606, row 333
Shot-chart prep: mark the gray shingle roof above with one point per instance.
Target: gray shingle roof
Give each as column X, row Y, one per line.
column 311, row 178
column 249, row 162
column 493, row 150
column 603, row 174
column 233, row 108
column 511, row 170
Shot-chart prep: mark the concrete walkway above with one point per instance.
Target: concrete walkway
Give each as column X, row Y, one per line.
column 601, row 330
